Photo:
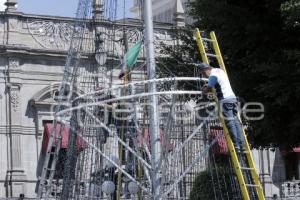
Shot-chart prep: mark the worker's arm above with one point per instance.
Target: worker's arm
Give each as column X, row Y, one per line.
column 212, row 81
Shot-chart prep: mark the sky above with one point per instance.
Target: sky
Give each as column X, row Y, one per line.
column 66, row 8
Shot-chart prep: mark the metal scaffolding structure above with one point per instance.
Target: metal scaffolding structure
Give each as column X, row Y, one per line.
column 119, row 145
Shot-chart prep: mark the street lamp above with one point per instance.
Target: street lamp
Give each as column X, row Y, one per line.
column 100, row 53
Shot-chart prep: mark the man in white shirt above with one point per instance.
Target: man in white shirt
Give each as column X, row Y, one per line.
column 218, row 79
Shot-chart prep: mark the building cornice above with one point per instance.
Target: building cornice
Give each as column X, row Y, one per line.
column 128, row 22
column 11, row 49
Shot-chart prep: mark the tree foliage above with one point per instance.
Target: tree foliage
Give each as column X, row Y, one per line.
column 181, row 55
column 260, row 42
column 216, row 183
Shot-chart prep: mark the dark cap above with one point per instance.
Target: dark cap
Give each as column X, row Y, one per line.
column 203, row 66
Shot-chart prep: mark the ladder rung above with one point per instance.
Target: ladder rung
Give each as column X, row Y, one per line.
column 208, row 40
column 251, row 185
column 246, row 168
column 49, row 169
column 211, row 55
column 245, row 152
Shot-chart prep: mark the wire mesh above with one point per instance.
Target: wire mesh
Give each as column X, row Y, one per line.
column 111, row 120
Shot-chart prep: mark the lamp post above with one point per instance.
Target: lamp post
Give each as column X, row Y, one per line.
column 153, row 108
column 100, row 54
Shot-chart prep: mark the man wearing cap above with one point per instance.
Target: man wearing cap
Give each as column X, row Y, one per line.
column 218, row 80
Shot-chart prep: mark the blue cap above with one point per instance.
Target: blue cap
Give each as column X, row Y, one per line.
column 203, row 66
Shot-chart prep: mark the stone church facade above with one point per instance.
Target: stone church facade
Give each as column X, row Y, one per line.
column 33, row 50
column 31, row 68
column 29, row 63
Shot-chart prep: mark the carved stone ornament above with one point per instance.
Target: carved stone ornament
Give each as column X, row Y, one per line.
column 13, row 63
column 51, row 34
column 135, row 34
column 15, row 100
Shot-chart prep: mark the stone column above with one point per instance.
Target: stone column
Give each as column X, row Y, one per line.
column 98, row 9
column 11, row 6
column 12, row 23
column 16, row 174
column 179, row 17
column 16, row 130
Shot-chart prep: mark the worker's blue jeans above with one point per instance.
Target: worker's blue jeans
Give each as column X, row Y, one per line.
column 229, row 108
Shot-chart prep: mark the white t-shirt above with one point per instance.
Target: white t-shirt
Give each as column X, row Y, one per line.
column 218, row 79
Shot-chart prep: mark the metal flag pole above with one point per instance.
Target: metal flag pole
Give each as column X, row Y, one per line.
column 154, row 113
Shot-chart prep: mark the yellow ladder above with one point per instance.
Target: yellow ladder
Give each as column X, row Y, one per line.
column 237, row 165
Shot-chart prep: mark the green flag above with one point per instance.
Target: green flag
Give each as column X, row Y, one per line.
column 130, row 58
column 133, row 53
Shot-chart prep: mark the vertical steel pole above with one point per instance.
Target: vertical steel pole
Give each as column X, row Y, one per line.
column 154, row 116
